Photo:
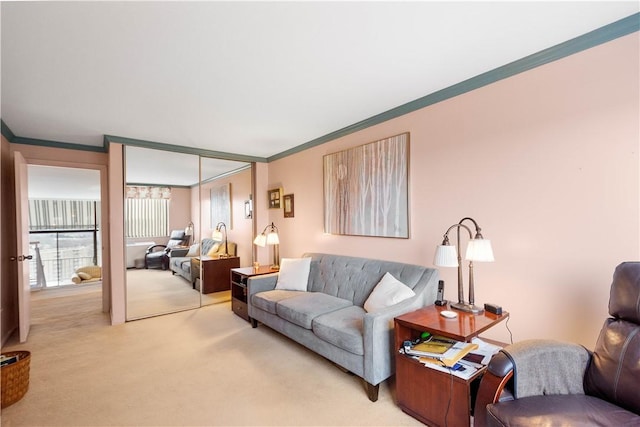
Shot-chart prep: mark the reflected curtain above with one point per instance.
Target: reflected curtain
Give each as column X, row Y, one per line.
column 146, row 217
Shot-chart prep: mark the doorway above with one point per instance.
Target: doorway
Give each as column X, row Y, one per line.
column 65, row 237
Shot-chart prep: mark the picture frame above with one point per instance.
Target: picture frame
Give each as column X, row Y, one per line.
column 366, row 189
column 248, row 209
column 287, row 200
column 274, row 198
column 220, row 198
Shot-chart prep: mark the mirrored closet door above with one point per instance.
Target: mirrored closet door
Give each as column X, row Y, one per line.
column 186, row 226
column 161, row 206
column 226, row 238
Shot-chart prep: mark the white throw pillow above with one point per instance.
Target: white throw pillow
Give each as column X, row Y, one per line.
column 294, row 274
column 388, row 291
column 194, row 250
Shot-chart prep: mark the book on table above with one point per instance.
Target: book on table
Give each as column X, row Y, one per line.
column 451, row 356
column 440, row 350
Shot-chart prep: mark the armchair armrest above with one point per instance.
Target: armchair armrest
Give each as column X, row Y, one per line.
column 538, row 367
column 494, row 380
column 151, row 248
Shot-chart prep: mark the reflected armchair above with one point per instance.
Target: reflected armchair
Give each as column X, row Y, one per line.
column 158, row 255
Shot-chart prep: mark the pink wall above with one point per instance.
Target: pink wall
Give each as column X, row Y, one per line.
column 546, row 162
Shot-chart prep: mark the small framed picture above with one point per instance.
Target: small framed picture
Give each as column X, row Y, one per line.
column 248, row 209
column 275, row 198
column 288, row 205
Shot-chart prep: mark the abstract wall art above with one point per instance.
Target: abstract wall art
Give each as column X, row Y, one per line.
column 366, row 189
column 221, row 205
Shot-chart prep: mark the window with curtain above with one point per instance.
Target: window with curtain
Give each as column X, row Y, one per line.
column 147, row 211
column 61, row 214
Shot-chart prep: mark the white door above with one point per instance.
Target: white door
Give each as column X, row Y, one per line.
column 23, row 257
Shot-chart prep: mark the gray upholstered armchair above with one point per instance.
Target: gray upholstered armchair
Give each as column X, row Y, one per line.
column 551, row 383
column 158, row 255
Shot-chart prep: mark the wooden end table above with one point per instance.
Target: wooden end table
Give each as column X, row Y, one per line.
column 239, row 278
column 426, row 393
column 215, row 273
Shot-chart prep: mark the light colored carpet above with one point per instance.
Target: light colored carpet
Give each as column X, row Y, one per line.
column 204, row 367
column 152, row 292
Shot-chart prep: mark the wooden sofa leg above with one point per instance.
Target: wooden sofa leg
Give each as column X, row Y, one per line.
column 254, row 322
column 372, row 391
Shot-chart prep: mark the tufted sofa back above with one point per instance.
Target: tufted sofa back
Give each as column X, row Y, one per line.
column 614, row 372
column 354, row 278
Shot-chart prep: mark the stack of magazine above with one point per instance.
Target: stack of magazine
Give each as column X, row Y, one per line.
column 461, row 359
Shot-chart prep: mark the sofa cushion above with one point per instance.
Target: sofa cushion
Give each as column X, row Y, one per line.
column 388, row 291
column 268, row 300
column 305, row 307
column 342, row 328
column 294, row 274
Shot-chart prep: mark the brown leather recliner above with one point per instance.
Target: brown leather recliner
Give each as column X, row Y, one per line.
column 570, row 385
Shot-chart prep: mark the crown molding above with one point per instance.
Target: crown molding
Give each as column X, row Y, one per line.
column 586, row 41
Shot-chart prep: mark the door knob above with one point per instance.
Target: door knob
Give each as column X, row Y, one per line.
column 23, row 257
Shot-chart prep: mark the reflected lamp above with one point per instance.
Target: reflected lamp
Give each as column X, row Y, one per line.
column 188, row 231
column 218, row 237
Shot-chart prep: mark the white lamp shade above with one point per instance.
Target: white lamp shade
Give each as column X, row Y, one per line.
column 446, row 256
column 479, row 250
column 272, row 238
column 216, row 235
column 260, row 240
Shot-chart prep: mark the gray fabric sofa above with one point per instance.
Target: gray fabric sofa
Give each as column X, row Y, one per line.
column 329, row 318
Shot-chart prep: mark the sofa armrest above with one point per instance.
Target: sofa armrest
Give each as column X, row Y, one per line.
column 178, row 252
column 378, row 339
column 265, row 282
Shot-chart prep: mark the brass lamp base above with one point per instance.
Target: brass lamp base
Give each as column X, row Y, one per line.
column 467, row 308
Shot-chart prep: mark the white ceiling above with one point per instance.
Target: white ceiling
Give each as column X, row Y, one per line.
column 255, row 78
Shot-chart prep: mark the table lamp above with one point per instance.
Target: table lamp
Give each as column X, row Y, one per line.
column 217, row 236
column 269, row 236
column 478, row 249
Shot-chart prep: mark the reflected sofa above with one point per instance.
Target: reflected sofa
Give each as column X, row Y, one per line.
column 180, row 259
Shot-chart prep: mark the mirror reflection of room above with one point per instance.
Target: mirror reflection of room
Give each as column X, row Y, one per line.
column 158, row 213
column 179, row 249
column 225, row 242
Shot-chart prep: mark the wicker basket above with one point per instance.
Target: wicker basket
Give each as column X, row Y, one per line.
column 15, row 378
